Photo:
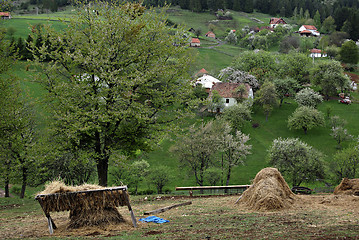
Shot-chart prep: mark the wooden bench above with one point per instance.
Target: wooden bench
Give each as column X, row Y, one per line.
column 66, row 201
column 190, row 189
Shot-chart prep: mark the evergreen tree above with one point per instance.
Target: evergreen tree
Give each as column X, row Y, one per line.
column 317, row 20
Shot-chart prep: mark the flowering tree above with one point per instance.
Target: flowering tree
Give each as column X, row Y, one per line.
column 230, row 74
column 296, row 160
column 305, row 118
column 308, row 97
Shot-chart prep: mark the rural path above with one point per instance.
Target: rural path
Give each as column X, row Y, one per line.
column 219, row 43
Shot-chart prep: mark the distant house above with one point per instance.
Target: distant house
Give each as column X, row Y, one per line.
column 201, row 72
column 195, row 42
column 229, row 94
column 5, row 15
column 308, row 30
column 210, row 34
column 207, row 82
column 317, row 53
column 274, row 22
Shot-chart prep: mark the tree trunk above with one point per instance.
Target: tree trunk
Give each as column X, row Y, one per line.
column 7, row 192
column 228, row 177
column 102, row 169
column 24, row 182
column 305, row 130
column 102, row 161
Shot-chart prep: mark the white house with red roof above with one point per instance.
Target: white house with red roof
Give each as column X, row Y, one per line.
column 207, row 82
column 5, row 15
column 195, row 42
column 317, row 53
column 273, row 22
column 308, row 30
column 229, row 94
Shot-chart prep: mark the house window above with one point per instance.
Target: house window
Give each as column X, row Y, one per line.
column 227, row 100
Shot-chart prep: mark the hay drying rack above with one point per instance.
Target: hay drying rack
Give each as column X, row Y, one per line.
column 65, row 201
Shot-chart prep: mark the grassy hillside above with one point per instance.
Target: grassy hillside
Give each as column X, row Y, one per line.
column 262, row 137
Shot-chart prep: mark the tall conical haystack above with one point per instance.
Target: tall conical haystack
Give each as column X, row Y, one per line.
column 94, row 208
column 348, row 187
column 269, row 191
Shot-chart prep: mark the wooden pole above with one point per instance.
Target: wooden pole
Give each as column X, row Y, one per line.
column 167, row 208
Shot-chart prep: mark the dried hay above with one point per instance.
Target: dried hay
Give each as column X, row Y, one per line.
column 269, row 191
column 348, row 187
column 87, row 208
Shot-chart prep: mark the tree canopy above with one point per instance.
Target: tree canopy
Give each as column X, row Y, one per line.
column 296, row 160
column 115, row 78
column 305, row 118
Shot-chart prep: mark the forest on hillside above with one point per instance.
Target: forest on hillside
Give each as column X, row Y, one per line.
column 344, row 12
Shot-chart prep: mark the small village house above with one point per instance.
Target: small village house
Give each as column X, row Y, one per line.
column 195, row 42
column 207, row 82
column 308, row 30
column 229, row 94
column 274, row 22
column 5, row 15
column 317, row 53
column 210, row 34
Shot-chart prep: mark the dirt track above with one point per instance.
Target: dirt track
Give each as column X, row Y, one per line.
column 316, row 215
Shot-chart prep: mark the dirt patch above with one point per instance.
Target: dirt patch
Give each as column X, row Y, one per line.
column 324, row 216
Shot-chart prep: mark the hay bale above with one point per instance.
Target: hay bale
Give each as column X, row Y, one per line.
column 92, row 208
column 269, row 191
column 348, row 187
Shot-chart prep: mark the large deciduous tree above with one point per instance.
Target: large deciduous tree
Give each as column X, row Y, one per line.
column 296, row 160
column 329, row 76
column 115, row 74
column 267, row 97
column 233, row 148
column 305, row 118
column 196, row 150
column 285, row 87
column 349, row 52
column 308, row 97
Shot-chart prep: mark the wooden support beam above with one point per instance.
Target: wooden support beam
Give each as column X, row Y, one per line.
column 167, row 208
column 213, row 187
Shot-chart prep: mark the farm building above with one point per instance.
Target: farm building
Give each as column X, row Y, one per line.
column 195, row 42
column 317, row 53
column 229, row 94
column 308, row 30
column 276, row 21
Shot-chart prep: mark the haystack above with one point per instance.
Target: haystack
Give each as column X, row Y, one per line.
column 269, row 191
column 348, row 187
column 88, row 205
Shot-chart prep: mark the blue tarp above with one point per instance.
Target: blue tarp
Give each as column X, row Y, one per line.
column 153, row 219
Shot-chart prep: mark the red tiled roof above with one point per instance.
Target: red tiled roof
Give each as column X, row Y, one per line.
column 202, row 71
column 305, row 31
column 5, row 14
column 227, row 90
column 310, row 27
column 276, row 21
column 314, row 50
column 195, row 40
